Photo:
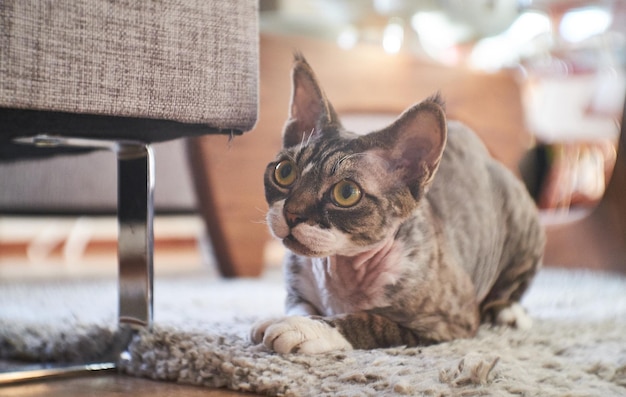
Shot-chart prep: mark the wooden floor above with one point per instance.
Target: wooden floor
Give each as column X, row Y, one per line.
column 111, row 385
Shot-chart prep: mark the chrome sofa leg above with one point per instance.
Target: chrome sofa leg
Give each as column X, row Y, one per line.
column 135, row 239
column 135, row 252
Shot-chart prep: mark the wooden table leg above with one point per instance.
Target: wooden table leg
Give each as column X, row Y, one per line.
column 228, row 176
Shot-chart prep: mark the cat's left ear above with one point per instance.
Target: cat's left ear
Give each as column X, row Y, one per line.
column 309, row 111
column 413, row 144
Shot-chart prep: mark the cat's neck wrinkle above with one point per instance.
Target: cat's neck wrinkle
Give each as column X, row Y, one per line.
column 347, row 284
column 368, row 266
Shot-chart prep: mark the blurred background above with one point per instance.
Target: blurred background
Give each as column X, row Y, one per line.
column 568, row 56
column 542, row 82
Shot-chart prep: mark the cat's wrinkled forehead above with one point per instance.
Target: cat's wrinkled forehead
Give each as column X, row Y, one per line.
column 325, row 154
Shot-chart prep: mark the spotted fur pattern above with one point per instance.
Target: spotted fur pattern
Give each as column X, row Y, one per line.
column 440, row 236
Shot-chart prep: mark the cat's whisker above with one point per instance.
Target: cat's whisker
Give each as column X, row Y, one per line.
column 302, row 140
column 262, row 221
column 306, row 140
column 261, row 210
column 310, row 136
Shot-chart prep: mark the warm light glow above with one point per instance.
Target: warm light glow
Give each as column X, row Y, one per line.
column 578, row 25
column 434, row 28
column 348, row 37
column 528, row 26
column 492, row 53
column 393, row 36
column 438, row 35
column 383, row 6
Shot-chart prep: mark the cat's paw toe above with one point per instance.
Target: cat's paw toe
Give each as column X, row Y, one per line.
column 257, row 333
column 303, row 335
column 514, row 316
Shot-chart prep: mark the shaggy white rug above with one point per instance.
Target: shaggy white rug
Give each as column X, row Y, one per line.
column 577, row 346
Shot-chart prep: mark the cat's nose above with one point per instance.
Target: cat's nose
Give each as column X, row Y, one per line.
column 293, row 219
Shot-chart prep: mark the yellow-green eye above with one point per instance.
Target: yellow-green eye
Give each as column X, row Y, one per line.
column 346, row 193
column 285, row 173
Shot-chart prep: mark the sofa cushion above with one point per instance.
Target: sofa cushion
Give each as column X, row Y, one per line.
column 190, row 62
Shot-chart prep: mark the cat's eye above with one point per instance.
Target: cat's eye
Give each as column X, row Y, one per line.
column 346, row 193
column 285, row 173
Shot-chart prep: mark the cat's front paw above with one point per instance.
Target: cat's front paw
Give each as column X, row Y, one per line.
column 299, row 334
column 258, row 329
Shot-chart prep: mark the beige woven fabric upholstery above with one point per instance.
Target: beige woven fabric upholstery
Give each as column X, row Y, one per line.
column 192, row 61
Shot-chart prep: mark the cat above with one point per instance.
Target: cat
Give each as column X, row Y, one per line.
column 409, row 235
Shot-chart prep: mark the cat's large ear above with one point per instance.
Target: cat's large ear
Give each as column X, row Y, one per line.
column 413, row 144
column 309, row 111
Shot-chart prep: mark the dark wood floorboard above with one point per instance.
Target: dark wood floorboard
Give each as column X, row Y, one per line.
column 110, row 385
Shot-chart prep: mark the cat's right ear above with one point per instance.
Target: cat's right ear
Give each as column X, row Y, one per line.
column 413, row 144
column 309, row 111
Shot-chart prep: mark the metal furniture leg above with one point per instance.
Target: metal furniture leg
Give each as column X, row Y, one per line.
column 135, row 239
column 135, row 251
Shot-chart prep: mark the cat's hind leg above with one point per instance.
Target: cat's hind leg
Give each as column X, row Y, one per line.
column 501, row 306
column 514, row 315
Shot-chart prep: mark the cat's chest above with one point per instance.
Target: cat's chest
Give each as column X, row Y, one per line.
column 343, row 285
